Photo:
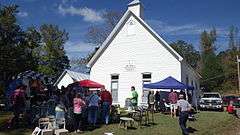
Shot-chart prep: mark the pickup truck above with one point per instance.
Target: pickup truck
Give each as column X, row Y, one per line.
column 211, row 100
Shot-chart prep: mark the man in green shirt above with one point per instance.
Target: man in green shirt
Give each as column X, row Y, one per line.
column 134, row 97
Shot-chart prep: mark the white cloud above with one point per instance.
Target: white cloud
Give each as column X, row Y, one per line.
column 89, row 15
column 78, row 49
column 186, row 29
column 22, row 14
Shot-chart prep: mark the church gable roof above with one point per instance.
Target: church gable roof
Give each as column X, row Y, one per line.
column 119, row 26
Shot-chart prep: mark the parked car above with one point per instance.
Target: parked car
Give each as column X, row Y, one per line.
column 236, row 102
column 211, row 100
column 227, row 99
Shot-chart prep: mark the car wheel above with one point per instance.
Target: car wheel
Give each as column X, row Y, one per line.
column 221, row 110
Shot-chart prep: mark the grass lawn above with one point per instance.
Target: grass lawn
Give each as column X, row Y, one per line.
column 4, row 116
column 208, row 123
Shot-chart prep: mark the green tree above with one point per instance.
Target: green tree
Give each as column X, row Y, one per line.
column 12, row 42
column 16, row 48
column 228, row 59
column 33, row 43
column 211, row 69
column 187, row 51
column 53, row 57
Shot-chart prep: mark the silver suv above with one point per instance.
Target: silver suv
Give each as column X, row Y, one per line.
column 211, row 100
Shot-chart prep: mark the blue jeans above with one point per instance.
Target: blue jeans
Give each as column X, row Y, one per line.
column 60, row 114
column 182, row 122
column 105, row 112
column 92, row 115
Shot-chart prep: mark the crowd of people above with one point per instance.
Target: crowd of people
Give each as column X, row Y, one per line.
column 176, row 102
column 92, row 102
column 161, row 103
column 65, row 101
column 86, row 106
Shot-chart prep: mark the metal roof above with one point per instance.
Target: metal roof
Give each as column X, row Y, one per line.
column 76, row 76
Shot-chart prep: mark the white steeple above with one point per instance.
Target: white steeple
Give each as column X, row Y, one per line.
column 136, row 7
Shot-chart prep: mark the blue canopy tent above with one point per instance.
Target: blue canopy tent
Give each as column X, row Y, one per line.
column 26, row 75
column 168, row 83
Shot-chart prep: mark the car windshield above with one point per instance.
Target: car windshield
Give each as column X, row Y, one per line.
column 211, row 96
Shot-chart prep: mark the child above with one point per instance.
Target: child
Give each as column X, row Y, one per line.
column 230, row 107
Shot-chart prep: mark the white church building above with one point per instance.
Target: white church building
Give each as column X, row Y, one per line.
column 134, row 54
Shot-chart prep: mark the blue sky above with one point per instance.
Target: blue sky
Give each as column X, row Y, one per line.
column 172, row 19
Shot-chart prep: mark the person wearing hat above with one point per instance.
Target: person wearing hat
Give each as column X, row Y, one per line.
column 184, row 107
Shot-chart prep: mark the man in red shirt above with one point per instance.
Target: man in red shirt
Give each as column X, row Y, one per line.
column 106, row 99
column 173, row 98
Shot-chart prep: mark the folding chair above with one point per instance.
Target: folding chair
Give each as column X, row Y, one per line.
column 43, row 123
column 61, row 122
column 61, row 131
column 167, row 108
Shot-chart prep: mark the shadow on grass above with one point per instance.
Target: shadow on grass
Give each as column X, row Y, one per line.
column 15, row 132
column 131, row 128
column 92, row 128
column 153, row 124
column 192, row 130
column 19, row 130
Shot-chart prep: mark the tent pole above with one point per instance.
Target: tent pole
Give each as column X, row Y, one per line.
column 186, row 94
column 196, row 99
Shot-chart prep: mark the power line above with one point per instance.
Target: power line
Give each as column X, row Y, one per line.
column 221, row 75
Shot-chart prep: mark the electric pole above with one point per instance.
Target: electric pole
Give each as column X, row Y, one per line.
column 238, row 91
